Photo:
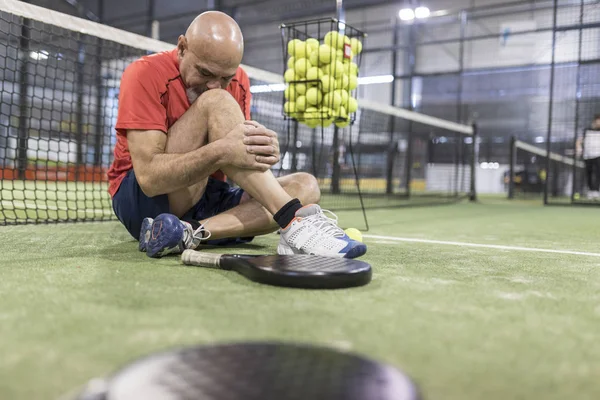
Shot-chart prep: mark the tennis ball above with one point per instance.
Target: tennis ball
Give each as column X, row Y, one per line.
column 289, row 107
column 352, row 105
column 314, row 57
column 314, row 96
column 327, row 117
column 340, row 113
column 353, row 82
column 312, row 44
column 576, row 196
column 301, row 103
column 354, row 233
column 326, row 54
column 356, row 45
column 314, row 73
column 289, row 90
column 291, row 61
column 332, row 100
column 342, row 82
column 342, row 123
column 343, row 94
column 334, row 39
column 289, row 75
column 297, row 48
column 351, row 69
column 335, row 69
column 327, row 83
column 301, row 66
column 300, row 88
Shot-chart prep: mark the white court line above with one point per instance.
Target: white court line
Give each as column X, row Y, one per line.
column 487, row 246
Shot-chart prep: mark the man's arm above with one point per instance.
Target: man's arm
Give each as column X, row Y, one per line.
column 249, row 145
column 160, row 173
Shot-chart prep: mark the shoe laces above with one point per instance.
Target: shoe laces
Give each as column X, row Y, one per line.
column 192, row 238
column 326, row 225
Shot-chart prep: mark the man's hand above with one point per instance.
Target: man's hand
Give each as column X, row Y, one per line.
column 251, row 146
column 261, row 141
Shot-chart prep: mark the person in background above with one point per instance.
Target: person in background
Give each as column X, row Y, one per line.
column 589, row 147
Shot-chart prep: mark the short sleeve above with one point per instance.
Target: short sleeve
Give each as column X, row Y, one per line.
column 140, row 105
column 240, row 89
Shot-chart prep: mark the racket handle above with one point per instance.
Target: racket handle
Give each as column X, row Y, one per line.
column 193, row 257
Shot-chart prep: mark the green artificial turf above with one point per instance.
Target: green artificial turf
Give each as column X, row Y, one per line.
column 79, row 300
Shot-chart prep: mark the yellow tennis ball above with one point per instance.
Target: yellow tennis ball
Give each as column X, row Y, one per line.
column 289, row 75
column 335, row 69
column 300, row 88
column 301, row 103
column 314, row 96
column 342, row 82
column 342, row 123
column 576, row 196
column 312, row 44
column 326, row 54
column 354, row 233
column 301, row 66
column 327, row 117
column 297, row 48
column 289, row 107
column 314, row 58
column 356, row 45
column 334, row 39
column 291, row 61
column 351, row 69
column 332, row 100
column 327, row 83
column 343, row 94
column 352, row 105
column 314, row 73
column 353, row 82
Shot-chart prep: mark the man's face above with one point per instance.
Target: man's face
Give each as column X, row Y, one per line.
column 201, row 72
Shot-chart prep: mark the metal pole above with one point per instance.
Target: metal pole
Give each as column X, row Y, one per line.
column 411, row 70
column 577, row 103
column 474, row 161
column 294, row 166
column 551, row 102
column 100, row 93
column 150, row 19
column 79, row 108
column 392, row 149
column 23, row 132
column 459, row 137
column 512, row 166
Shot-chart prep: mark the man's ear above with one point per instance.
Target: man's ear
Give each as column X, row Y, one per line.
column 181, row 45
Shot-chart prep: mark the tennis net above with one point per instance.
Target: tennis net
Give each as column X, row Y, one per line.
column 60, row 85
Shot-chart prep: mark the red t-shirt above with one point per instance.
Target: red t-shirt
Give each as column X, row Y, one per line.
column 152, row 96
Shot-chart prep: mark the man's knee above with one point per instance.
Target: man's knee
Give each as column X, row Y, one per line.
column 307, row 187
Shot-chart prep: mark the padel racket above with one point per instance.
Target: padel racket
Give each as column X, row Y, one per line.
column 298, row 270
column 253, row 371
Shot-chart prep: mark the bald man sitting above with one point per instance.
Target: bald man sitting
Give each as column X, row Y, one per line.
column 183, row 124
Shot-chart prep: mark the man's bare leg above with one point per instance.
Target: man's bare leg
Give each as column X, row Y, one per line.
column 250, row 218
column 210, row 118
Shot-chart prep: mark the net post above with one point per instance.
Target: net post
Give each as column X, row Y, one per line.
column 551, row 95
column 294, row 166
column 23, row 131
column 79, row 108
column 474, row 155
column 511, row 168
column 335, row 177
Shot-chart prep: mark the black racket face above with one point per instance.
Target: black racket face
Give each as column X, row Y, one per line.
column 253, row 371
column 303, row 270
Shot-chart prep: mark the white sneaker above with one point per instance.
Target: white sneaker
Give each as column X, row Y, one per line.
column 593, row 195
column 312, row 232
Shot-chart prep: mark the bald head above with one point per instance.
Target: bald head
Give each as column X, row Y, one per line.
column 210, row 51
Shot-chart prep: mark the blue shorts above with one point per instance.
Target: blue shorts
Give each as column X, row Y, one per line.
column 131, row 205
